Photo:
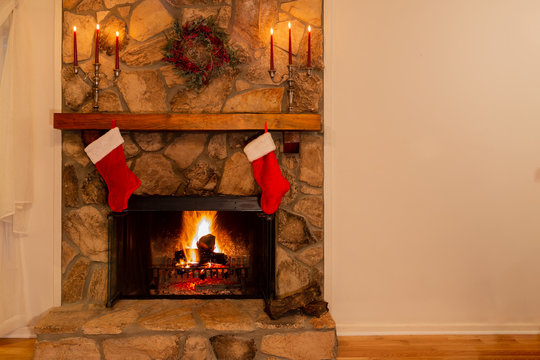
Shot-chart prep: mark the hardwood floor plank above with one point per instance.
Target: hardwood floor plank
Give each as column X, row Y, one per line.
column 16, row 349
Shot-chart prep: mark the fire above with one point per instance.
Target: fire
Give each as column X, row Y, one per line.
column 196, row 224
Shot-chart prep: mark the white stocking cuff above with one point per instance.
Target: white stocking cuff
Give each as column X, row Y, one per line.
column 104, row 145
column 260, row 147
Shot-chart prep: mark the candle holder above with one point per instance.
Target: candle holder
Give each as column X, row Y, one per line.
column 95, row 77
column 289, row 78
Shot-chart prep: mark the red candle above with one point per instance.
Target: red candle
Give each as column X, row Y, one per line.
column 96, row 54
column 117, row 63
column 75, row 62
column 271, row 49
column 290, row 45
column 309, row 47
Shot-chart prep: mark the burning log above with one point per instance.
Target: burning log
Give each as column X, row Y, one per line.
column 205, row 249
column 207, row 243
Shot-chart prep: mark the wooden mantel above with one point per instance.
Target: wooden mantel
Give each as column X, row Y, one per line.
column 187, row 122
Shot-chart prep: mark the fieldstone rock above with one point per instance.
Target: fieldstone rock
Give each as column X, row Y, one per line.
column 237, row 178
column 111, row 323
column 238, row 140
column 124, row 11
column 217, row 146
column 158, row 347
column 224, row 315
column 68, row 254
column 227, row 347
column 171, row 76
column 290, row 161
column 63, row 320
column 312, row 208
column 242, row 85
column 324, row 321
column 169, row 319
column 107, row 35
column 143, row 91
column 209, row 99
column 197, row 348
column 142, row 26
column 317, row 59
column 108, row 101
column 222, row 14
column 311, row 160
column 311, row 256
column 86, row 28
column 112, row 3
column 149, row 141
column 100, row 15
column 73, row 283
column 186, row 148
column 70, row 348
column 89, row 5
column 75, row 90
column 308, row 92
column 286, row 322
column 180, row 3
column 70, row 184
column 246, row 22
column 293, row 232
column 130, row 148
column 97, row 289
column 87, row 228
column 93, row 189
column 307, row 345
column 281, row 36
column 144, row 54
column 202, row 179
column 268, row 12
column 259, row 101
column 156, row 174
column 304, row 189
column 290, row 196
column 69, row 4
column 290, row 275
column 309, row 11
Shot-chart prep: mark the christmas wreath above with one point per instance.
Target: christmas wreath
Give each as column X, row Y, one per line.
column 199, row 50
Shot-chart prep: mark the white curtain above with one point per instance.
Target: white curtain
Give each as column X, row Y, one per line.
column 15, row 163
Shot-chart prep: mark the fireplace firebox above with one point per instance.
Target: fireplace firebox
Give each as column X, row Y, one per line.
column 191, row 247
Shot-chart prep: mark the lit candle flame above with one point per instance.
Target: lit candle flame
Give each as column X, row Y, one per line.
column 97, row 27
column 74, row 28
column 309, row 28
column 117, row 33
column 271, row 31
column 289, row 24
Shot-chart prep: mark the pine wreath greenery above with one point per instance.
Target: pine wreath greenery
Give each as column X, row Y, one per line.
column 199, row 50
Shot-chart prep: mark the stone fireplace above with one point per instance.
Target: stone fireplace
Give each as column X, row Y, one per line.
column 189, row 165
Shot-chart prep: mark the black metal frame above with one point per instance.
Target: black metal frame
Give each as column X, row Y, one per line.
column 118, row 228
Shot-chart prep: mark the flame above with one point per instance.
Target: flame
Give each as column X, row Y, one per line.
column 97, row 27
column 271, row 31
column 289, row 24
column 117, row 33
column 309, row 28
column 196, row 224
column 74, row 28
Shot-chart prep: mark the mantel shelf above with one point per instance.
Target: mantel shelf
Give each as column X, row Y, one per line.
column 187, row 122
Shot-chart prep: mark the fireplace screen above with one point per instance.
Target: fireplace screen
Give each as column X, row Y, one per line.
column 178, row 247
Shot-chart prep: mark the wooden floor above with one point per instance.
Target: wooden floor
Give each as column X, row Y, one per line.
column 16, row 349
column 439, row 347
column 484, row 347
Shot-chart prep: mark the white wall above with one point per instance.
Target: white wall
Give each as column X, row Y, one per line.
column 432, row 165
column 40, row 249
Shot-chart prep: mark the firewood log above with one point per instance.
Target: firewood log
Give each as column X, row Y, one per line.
column 207, row 243
column 276, row 308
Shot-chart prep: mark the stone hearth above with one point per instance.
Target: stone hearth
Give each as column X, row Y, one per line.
column 182, row 329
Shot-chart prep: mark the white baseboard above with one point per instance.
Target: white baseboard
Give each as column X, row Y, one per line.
column 351, row 329
column 24, row 332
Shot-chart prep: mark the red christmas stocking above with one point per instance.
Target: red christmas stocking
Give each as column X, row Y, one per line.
column 267, row 172
column 107, row 153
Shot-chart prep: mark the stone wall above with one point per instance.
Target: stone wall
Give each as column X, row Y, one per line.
column 189, row 163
